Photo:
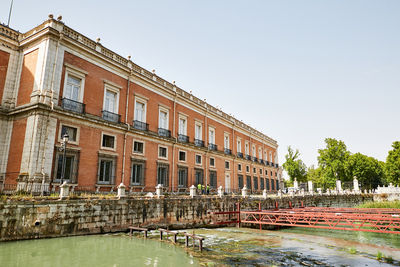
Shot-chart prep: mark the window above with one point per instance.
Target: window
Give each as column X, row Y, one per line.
column 255, row 182
column 260, row 171
column 226, row 141
column 163, row 119
column 271, row 174
column 240, row 181
column 140, row 110
column 239, row 146
column 182, row 156
column 227, row 165
column 110, row 101
column 261, row 183
column 138, row 147
column 106, row 171
column 197, row 131
column 277, row 185
column 270, row 157
column 254, row 151
column 267, row 184
column 182, row 177
column 213, row 179
column 108, row 141
column 211, row 136
column 71, row 166
column 71, row 131
column 266, row 172
column 162, row 174
column 248, row 182
column 239, row 167
column 74, row 83
column 198, row 176
column 246, row 148
column 198, row 159
column 162, row 152
column 212, row 162
column 259, row 153
column 137, row 173
column 247, row 168
column 254, row 170
column 272, row 184
column 182, row 125
column 265, row 156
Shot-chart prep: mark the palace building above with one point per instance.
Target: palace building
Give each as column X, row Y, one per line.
column 124, row 123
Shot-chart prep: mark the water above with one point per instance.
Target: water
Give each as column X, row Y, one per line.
column 99, row 250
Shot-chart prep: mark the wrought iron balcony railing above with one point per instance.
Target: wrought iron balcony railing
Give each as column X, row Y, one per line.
column 277, row 165
column 140, row 125
column 261, row 161
column 164, row 132
column 72, row 105
column 248, row 157
column 183, row 138
column 212, row 147
column 240, row 155
column 110, row 116
column 255, row 159
column 227, row 151
column 198, row 142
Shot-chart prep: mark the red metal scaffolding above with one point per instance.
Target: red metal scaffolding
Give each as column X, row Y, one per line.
column 349, row 219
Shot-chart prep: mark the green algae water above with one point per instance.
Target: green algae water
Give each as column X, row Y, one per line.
column 95, row 250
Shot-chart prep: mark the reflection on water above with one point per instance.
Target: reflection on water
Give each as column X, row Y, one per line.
column 98, row 250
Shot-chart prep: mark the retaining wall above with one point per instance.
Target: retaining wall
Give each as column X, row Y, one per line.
column 50, row 218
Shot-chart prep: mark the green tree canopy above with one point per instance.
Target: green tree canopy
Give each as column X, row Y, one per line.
column 368, row 170
column 294, row 166
column 392, row 166
column 332, row 162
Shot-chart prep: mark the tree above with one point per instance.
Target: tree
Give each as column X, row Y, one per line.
column 392, row 166
column 332, row 161
column 368, row 170
column 294, row 166
column 314, row 175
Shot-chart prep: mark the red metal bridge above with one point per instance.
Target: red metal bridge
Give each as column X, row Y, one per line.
column 349, row 219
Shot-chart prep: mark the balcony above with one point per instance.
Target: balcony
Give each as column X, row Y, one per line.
column 261, row 161
column 110, row 116
column 248, row 157
column 72, row 105
column 227, row 151
column 212, row 147
column 255, row 159
column 164, row 132
column 240, row 155
column 183, row 138
column 277, row 165
column 267, row 162
column 140, row 125
column 198, row 142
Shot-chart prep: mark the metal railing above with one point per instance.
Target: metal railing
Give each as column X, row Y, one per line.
column 248, row 157
column 72, row 105
column 227, row 151
column 183, row 138
column 240, row 155
column 198, row 142
column 255, row 159
column 140, row 125
column 261, row 161
column 164, row 132
column 266, row 163
column 212, row 147
column 110, row 116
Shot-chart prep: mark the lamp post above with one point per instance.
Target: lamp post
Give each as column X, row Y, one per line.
column 64, row 148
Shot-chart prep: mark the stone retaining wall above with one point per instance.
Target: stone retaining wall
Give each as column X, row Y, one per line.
column 49, row 218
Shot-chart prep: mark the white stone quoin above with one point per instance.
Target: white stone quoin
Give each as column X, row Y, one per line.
column 220, row 191
column 159, row 190
column 64, row 191
column 121, row 190
column 192, row 191
column 245, row 192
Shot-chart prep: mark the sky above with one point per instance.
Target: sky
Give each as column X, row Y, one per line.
column 299, row 71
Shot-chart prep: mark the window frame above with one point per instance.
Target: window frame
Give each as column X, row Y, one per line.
column 229, row 165
column 75, row 165
column 143, row 173
column 239, row 145
column 75, row 72
column 201, row 159
column 183, row 118
column 113, row 159
column 226, row 138
column 108, row 148
column 166, row 152
column 210, row 161
column 143, row 101
column 133, row 147
column 197, row 123
column 76, row 142
column 179, row 155
column 211, row 129
column 165, row 110
column 114, row 89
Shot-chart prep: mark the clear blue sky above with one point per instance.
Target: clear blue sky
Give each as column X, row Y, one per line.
column 299, row 71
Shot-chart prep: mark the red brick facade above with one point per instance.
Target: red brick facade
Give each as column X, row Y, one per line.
column 126, row 125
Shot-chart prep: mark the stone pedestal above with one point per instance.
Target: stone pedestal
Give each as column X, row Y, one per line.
column 265, row 193
column 245, row 192
column 220, row 191
column 295, row 184
column 310, row 187
column 192, row 191
column 339, row 186
column 121, row 190
column 356, row 187
column 159, row 190
column 64, row 191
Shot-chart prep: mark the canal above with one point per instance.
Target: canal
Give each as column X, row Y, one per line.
column 223, row 247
